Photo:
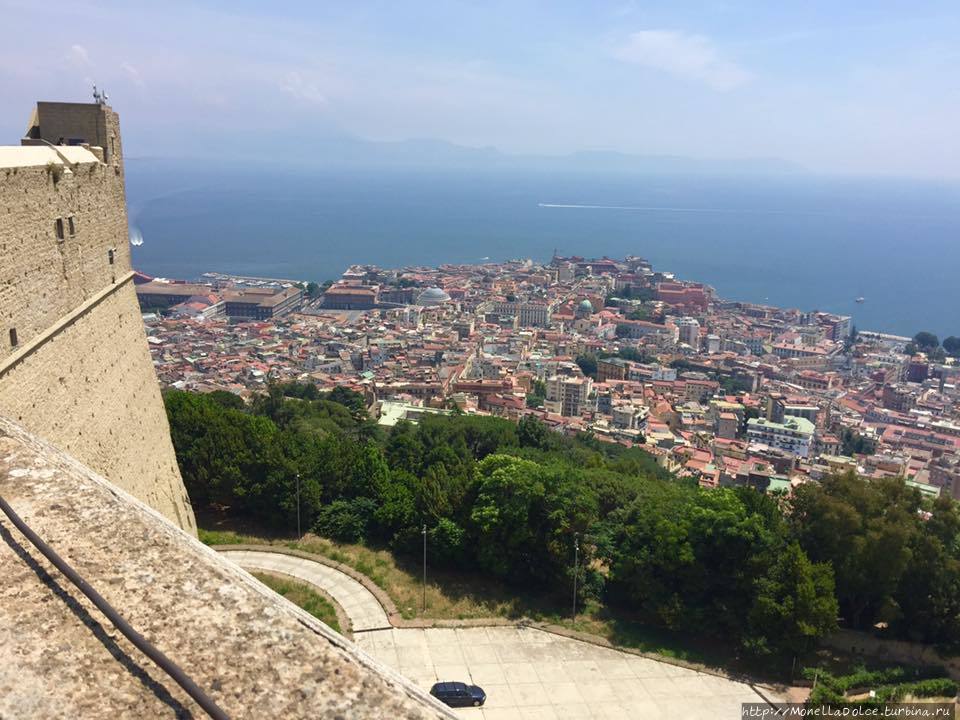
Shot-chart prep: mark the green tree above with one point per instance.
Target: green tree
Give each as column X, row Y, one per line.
column 227, row 399
column 506, row 517
column 537, row 394
column 303, row 391
column 667, row 545
column 925, row 341
column 224, row 454
column 447, row 542
column 345, row 520
column 348, row 398
column 531, row 432
column 588, row 365
column 952, row 346
column 397, row 508
column 863, row 529
column 794, row 606
column 929, row 592
column 404, row 449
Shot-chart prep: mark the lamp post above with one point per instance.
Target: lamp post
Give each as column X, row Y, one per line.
column 424, row 533
column 576, row 558
column 298, row 507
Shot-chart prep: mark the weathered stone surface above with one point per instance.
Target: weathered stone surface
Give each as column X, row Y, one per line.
column 80, row 374
column 256, row 654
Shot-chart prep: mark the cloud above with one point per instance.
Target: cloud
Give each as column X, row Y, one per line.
column 689, row 56
column 132, row 73
column 294, row 84
column 79, row 56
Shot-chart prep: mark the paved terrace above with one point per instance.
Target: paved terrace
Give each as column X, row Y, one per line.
column 527, row 673
column 360, row 605
column 255, row 653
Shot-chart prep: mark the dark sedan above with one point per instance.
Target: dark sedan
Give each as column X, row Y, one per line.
column 458, row 694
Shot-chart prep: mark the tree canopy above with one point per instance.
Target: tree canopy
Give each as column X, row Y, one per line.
column 509, row 500
column 952, row 346
column 925, row 341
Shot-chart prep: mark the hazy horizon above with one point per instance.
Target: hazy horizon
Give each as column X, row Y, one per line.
column 833, row 89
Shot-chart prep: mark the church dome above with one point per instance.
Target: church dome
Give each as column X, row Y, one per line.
column 433, row 296
column 585, row 306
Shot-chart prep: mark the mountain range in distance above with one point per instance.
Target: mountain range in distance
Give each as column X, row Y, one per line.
column 346, row 152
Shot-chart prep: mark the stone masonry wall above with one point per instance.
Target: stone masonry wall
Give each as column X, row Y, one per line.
column 43, row 278
column 92, row 123
column 86, row 384
column 90, row 390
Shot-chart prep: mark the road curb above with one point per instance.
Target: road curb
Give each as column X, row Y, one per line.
column 397, row 621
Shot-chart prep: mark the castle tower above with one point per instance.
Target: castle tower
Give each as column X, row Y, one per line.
column 74, row 363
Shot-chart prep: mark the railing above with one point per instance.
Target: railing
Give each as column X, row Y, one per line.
column 138, row 640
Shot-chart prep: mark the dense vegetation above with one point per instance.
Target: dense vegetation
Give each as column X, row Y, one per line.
column 895, row 561
column 509, row 500
column 890, row 685
column 927, row 342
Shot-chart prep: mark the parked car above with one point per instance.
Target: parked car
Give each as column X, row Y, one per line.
column 458, row 694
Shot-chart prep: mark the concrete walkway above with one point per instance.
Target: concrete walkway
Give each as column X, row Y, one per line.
column 360, row 605
column 529, row 674
column 526, row 672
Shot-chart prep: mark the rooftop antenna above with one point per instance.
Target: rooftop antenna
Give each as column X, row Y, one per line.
column 99, row 96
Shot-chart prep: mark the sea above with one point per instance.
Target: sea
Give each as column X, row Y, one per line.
column 795, row 240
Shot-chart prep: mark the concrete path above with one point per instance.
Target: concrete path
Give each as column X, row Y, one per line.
column 360, row 605
column 527, row 673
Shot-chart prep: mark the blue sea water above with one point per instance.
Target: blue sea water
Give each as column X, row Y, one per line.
column 795, row 241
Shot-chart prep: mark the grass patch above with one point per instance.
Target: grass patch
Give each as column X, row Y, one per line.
column 303, row 596
column 453, row 595
column 228, row 537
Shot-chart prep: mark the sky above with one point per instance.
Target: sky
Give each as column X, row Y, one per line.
column 836, row 86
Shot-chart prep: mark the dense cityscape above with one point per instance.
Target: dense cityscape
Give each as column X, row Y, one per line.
column 726, row 392
column 479, row 361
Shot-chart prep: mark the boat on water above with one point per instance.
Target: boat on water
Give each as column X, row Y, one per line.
column 861, row 300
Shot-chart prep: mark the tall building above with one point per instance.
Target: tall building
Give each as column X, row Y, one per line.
column 794, row 435
column 74, row 364
column 568, row 395
column 689, row 330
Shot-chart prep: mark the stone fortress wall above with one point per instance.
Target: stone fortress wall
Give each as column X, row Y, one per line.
column 74, row 363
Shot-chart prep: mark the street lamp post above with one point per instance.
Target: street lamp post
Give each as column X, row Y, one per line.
column 424, row 533
column 298, row 507
column 576, row 558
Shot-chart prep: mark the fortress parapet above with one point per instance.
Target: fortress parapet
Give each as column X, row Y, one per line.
column 74, row 363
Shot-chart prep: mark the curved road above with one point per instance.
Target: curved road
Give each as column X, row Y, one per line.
column 360, row 605
column 526, row 672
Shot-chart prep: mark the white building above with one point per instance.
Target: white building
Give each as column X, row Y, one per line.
column 689, row 331
column 794, row 434
column 630, row 416
column 528, row 314
column 568, row 395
